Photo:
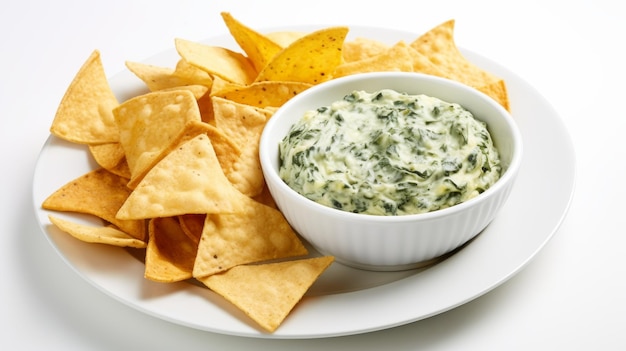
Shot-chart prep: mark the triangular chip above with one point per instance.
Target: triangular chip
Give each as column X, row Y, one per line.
column 150, row 123
column 224, row 63
column 261, row 94
column 99, row 193
column 170, row 253
column 236, row 120
column 155, row 77
column 84, row 115
column 188, row 180
column 243, row 125
column 439, row 46
column 259, row 48
column 362, row 48
column 261, row 233
column 397, row 58
column 497, row 90
column 268, row 293
column 111, row 157
column 310, row 59
column 107, row 155
column 285, row 38
column 192, row 225
column 192, row 74
column 99, row 235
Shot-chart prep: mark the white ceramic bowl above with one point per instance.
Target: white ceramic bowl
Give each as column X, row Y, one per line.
column 391, row 242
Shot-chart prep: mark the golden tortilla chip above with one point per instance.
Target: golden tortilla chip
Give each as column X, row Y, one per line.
column 261, row 94
column 107, row 155
column 260, row 233
column 266, row 198
column 192, row 225
column 170, row 253
column 84, row 115
column 259, row 48
column 224, row 63
column 98, row 235
column 267, row 293
column 397, row 58
column 188, row 180
column 99, row 193
column 111, row 157
column 149, row 124
column 310, row 59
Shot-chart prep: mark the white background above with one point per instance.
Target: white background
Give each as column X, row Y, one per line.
column 572, row 296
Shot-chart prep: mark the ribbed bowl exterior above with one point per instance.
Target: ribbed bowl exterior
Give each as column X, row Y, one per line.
column 374, row 243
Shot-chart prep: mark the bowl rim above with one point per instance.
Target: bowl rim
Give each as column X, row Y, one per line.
column 505, row 179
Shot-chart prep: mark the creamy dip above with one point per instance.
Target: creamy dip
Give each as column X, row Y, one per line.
column 389, row 153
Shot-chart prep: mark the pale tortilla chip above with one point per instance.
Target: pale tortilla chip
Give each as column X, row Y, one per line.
column 224, row 63
column 149, row 124
column 363, row 48
column 84, row 115
column 396, row 59
column 268, row 293
column 97, row 235
column 260, row 233
column 188, row 180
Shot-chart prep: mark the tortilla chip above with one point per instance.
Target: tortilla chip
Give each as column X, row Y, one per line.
column 149, row 124
column 243, row 125
column 224, row 63
column 397, row 58
column 98, row 235
column 497, row 90
column 99, row 193
column 268, row 293
column 155, row 77
column 284, row 38
column 310, row 59
column 170, row 253
column 107, row 155
column 439, row 46
column 260, row 233
column 261, row 94
column 192, row 74
column 188, row 180
column 259, row 48
column 363, row 48
column 192, row 225
column 84, row 115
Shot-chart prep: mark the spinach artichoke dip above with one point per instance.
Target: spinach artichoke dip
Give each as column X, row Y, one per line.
column 389, row 153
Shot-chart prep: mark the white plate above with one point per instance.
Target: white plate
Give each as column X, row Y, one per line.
column 344, row 300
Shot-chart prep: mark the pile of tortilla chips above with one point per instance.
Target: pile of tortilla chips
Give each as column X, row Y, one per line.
column 179, row 173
